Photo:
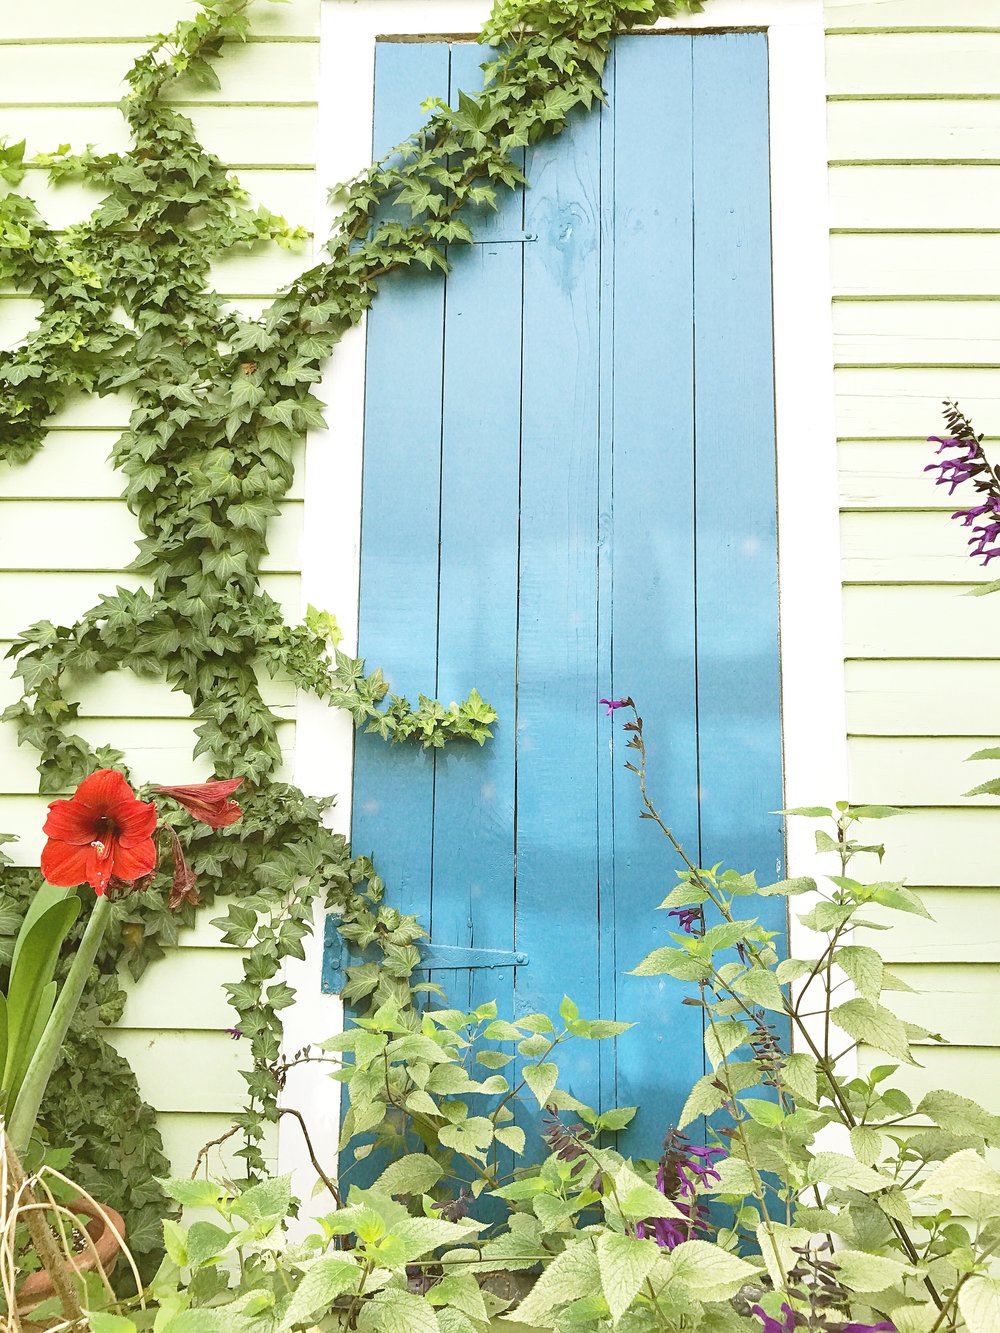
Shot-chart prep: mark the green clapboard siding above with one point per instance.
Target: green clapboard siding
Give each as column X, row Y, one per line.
column 61, row 65
column 914, row 142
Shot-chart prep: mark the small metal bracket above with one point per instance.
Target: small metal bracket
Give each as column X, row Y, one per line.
column 503, row 238
column 338, row 957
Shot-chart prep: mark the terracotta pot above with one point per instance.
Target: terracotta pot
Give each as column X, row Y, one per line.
column 38, row 1287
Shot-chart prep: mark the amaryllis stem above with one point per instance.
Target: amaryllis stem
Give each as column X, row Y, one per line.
column 21, row 1121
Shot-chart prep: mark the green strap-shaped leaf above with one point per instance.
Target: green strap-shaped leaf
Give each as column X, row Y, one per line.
column 36, row 955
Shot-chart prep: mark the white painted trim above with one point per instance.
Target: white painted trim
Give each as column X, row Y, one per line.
column 813, row 701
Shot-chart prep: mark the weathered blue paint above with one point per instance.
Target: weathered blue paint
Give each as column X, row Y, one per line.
column 652, row 602
column 739, row 738
column 569, row 492
column 394, row 788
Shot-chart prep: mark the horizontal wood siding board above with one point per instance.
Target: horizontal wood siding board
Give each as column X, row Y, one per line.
column 924, row 622
column 284, row 135
column 861, row 130
column 157, row 750
column 257, row 72
column 76, row 466
column 870, row 265
column 905, row 400
column 954, row 844
column 965, row 929
column 917, row 332
column 185, row 1133
column 920, row 770
column 909, row 62
column 160, row 1057
column 176, row 986
column 288, row 192
column 892, row 546
column 950, row 698
column 101, row 534
column 124, row 20
column 967, row 1069
column 909, row 13
column 914, row 196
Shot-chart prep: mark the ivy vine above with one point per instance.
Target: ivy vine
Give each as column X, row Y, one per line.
column 220, row 403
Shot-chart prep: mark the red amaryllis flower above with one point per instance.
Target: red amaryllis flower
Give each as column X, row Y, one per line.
column 208, row 801
column 103, row 831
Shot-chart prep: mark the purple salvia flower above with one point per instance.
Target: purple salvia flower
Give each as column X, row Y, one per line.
column 965, row 461
column 688, row 918
column 234, row 1033
column 685, row 1165
column 771, row 1325
column 700, row 1163
column 612, row 705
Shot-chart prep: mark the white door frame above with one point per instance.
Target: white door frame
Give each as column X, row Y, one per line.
column 812, row 660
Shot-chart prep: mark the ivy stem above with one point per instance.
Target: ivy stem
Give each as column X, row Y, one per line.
column 50, row 1045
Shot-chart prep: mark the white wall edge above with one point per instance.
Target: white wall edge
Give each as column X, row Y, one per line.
column 812, row 667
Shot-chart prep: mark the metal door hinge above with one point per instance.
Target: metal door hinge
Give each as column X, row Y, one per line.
column 337, row 957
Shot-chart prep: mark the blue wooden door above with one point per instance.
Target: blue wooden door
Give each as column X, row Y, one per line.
column 569, row 493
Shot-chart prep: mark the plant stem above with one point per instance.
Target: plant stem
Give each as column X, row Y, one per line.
column 26, row 1205
column 49, row 1048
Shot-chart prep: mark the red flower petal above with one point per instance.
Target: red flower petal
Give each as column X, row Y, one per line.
column 131, row 863
column 69, row 821
column 64, row 864
column 103, row 789
column 135, row 821
column 100, row 864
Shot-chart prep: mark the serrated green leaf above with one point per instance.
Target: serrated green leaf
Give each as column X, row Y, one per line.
column 624, row 1263
column 541, row 1079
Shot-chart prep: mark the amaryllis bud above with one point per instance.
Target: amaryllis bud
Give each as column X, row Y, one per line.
column 207, row 801
column 183, row 889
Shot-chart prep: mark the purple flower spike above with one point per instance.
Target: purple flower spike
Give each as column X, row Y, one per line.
column 965, row 461
column 234, row 1033
column 682, row 1168
column 772, row 1325
column 612, row 705
column 688, row 918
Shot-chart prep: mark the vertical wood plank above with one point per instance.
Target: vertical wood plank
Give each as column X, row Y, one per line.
column 557, row 915
column 393, row 785
column 739, row 727
column 653, row 613
column 473, row 870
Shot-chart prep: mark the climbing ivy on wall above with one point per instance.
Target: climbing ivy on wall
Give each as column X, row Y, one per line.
column 220, row 403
